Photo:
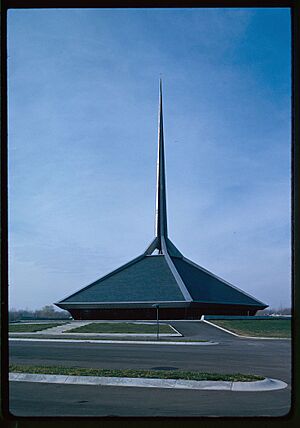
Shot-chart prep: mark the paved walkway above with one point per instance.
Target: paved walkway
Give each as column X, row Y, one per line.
column 64, row 327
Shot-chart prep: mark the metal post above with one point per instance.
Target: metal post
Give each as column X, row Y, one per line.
column 157, row 321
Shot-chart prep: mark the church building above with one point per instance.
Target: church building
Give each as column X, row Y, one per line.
column 161, row 276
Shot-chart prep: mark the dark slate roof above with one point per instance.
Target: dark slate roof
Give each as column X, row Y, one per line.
column 148, row 279
column 205, row 287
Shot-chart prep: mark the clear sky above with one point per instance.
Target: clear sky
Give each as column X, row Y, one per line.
column 83, row 106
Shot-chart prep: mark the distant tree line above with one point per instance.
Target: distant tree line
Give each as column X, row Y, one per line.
column 279, row 311
column 47, row 312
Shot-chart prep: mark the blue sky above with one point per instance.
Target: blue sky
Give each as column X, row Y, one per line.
column 83, row 105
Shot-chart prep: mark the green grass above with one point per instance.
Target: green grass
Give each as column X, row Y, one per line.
column 122, row 328
column 30, row 328
column 257, row 328
column 152, row 374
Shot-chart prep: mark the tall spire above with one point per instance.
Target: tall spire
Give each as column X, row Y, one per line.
column 161, row 205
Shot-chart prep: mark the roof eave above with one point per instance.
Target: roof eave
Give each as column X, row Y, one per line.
column 119, row 305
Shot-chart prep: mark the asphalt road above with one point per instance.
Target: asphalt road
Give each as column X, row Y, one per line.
column 270, row 358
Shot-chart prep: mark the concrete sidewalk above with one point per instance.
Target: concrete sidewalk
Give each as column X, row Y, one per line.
column 64, row 327
column 262, row 385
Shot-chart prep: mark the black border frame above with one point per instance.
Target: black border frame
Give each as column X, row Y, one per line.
column 288, row 420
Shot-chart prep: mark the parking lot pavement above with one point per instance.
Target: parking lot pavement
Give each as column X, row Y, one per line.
column 202, row 331
column 232, row 355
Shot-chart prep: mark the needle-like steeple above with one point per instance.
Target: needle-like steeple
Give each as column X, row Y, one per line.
column 161, row 229
column 180, row 287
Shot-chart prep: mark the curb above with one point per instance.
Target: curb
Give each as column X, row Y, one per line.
column 134, row 342
column 100, row 334
column 267, row 384
column 244, row 337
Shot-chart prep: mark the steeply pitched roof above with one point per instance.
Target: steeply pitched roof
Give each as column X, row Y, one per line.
column 205, row 287
column 148, row 279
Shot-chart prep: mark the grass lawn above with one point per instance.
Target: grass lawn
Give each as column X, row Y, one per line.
column 122, row 328
column 257, row 328
column 30, row 328
column 158, row 374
